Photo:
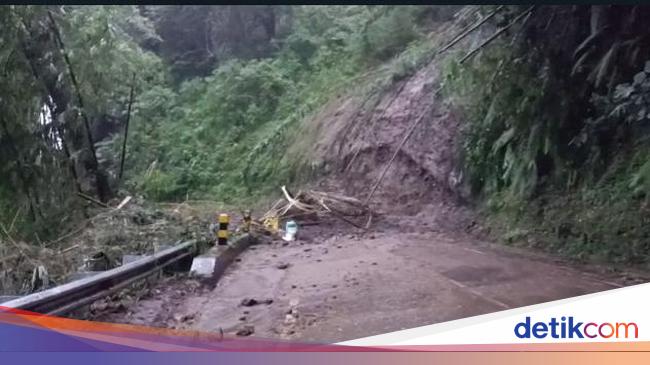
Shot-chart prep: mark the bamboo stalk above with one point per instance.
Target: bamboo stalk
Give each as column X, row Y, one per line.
column 92, row 200
column 91, row 143
column 126, row 128
column 60, row 131
column 497, row 34
column 471, row 29
column 504, row 62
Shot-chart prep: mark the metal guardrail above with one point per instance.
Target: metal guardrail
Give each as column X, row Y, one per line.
column 64, row 298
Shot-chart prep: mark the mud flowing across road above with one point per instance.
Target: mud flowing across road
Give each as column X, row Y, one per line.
column 336, row 284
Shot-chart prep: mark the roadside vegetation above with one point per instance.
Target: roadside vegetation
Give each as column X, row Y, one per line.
column 556, row 137
column 210, row 118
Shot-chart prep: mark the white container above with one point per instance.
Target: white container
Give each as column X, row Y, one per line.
column 290, row 231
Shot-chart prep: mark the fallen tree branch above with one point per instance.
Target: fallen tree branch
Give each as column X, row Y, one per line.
column 314, row 204
column 124, row 202
column 92, row 200
column 13, row 221
column 68, row 249
column 16, row 245
column 332, row 196
column 10, row 257
column 346, row 220
column 295, row 203
column 67, row 235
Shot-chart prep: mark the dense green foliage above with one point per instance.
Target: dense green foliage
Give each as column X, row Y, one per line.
column 44, row 135
column 213, row 114
column 557, row 145
column 244, row 115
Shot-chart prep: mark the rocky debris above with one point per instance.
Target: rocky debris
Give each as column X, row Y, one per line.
column 291, row 320
column 246, row 330
column 282, row 266
column 184, row 318
column 113, row 304
column 291, row 316
column 249, row 302
column 294, row 321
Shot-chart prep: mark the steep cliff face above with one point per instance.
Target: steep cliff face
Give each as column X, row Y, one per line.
column 193, row 40
column 425, row 163
column 546, row 126
column 355, row 136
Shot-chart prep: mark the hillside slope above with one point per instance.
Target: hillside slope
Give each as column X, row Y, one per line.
column 544, row 149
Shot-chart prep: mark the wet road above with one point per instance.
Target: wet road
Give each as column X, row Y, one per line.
column 356, row 285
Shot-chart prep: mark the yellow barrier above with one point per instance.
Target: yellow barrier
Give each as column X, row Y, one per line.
column 222, row 233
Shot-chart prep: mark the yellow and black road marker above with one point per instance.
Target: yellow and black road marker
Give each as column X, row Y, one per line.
column 222, row 233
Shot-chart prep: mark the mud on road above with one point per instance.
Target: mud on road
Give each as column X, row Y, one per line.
column 336, row 283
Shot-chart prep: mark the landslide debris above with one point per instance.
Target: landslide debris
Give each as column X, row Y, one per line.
column 99, row 242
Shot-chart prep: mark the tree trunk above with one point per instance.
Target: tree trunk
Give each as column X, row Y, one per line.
column 55, row 112
column 126, row 128
column 101, row 180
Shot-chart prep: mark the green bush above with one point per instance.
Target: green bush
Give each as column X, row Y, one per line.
column 225, row 136
column 576, row 191
column 508, row 133
column 159, row 186
column 390, row 33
